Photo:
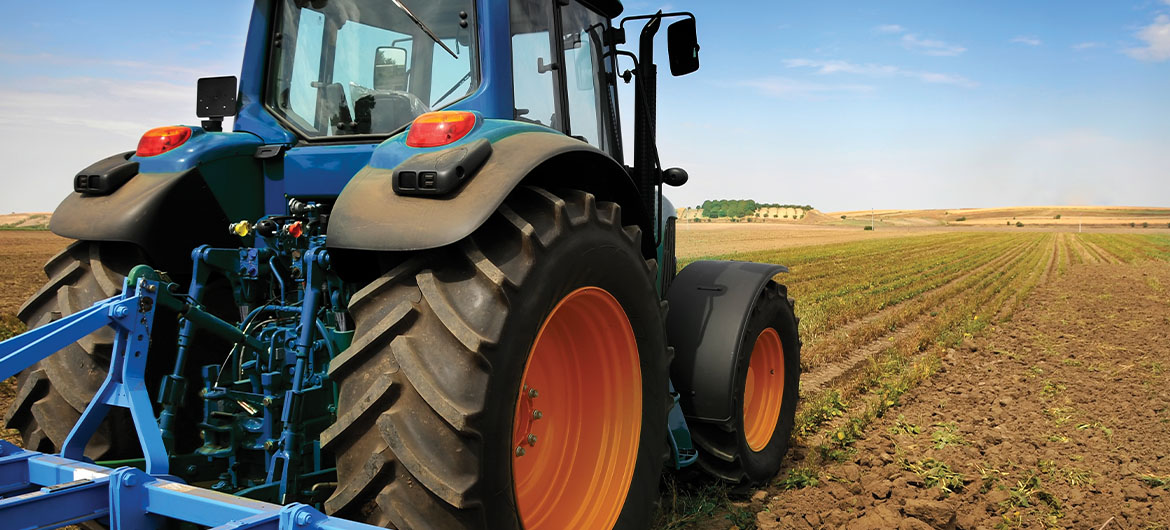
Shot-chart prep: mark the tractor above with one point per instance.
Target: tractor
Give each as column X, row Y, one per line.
column 416, row 285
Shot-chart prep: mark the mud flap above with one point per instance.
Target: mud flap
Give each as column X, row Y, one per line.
column 710, row 303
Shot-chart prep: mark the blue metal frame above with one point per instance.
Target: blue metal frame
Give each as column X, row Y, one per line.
column 133, row 319
column 39, row 491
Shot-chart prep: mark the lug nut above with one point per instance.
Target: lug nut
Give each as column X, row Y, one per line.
column 532, row 440
column 536, row 414
column 519, row 451
column 533, row 393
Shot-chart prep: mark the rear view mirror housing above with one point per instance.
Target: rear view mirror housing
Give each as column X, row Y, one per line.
column 683, row 44
column 215, row 99
column 390, row 68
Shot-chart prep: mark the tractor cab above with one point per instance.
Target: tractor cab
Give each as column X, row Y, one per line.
column 360, row 70
column 324, row 74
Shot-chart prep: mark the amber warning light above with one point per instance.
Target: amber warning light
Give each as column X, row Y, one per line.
column 434, row 129
column 162, row 139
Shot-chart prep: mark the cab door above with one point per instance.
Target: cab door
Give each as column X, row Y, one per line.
column 565, row 83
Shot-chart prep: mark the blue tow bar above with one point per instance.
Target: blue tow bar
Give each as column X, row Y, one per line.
column 45, row 491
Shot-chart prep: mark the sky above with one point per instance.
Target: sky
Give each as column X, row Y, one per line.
column 841, row 105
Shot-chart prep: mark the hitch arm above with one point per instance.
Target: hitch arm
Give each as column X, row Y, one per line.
column 30, row 347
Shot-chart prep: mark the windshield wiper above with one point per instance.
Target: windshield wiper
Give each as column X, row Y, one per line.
column 424, row 27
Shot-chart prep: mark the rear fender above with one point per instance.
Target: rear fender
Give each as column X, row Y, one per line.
column 369, row 215
column 710, row 303
column 180, row 199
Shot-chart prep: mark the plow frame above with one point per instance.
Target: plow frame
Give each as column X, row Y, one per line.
column 39, row 491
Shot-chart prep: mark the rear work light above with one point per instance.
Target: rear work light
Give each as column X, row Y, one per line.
column 434, row 129
column 162, row 139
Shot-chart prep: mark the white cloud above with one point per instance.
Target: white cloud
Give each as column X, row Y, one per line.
column 931, row 46
column 878, row 70
column 123, row 67
column 785, row 87
column 1026, row 39
column 913, row 42
column 1157, row 39
column 54, row 127
column 1089, row 45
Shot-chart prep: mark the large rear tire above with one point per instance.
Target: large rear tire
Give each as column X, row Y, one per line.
column 544, row 322
column 751, row 446
column 52, row 394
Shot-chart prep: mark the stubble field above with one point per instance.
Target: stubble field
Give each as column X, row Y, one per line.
column 951, row 378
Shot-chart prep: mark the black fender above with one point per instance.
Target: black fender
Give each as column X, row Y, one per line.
column 370, row 216
column 166, row 214
column 710, row 302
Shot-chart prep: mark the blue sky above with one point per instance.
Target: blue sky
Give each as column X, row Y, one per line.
column 842, row 105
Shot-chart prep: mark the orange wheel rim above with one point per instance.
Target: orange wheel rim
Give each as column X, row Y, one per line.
column 579, row 416
column 763, row 393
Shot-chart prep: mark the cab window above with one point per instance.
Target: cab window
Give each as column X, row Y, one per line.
column 354, row 67
column 534, row 79
column 583, row 29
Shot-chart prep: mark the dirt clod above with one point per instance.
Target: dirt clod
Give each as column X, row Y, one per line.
column 937, row 514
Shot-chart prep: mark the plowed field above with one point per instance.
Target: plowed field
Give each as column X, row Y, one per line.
column 969, row 380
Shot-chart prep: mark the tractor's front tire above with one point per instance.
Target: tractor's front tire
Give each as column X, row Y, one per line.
column 750, row 447
column 51, row 394
column 517, row 379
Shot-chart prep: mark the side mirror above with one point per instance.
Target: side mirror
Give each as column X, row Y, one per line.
column 390, row 68
column 215, row 99
column 682, row 41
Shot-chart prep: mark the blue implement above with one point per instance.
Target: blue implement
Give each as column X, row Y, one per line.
column 39, row 491
column 43, row 491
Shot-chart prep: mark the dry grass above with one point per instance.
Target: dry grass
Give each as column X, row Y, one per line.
column 730, row 240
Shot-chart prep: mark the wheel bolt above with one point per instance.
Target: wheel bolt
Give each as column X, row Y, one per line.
column 533, row 393
column 520, row 451
column 532, row 440
column 536, row 414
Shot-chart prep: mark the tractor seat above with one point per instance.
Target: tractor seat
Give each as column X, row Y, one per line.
column 384, row 111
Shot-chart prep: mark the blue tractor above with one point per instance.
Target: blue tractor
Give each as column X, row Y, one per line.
column 417, row 285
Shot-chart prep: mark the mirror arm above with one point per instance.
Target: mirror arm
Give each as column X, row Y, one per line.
column 622, row 24
column 628, row 74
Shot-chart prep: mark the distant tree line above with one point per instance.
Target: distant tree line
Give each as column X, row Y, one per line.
column 741, row 207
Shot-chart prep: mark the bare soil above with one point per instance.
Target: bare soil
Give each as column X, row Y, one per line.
column 1052, row 419
column 22, row 252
